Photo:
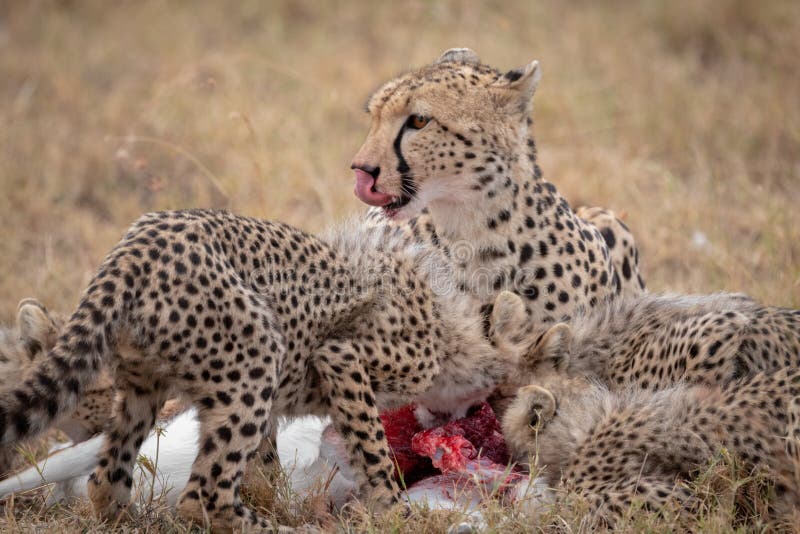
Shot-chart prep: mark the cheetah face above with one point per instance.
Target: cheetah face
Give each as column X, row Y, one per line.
column 441, row 134
column 541, row 358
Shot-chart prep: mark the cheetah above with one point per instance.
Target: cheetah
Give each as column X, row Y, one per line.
column 22, row 347
column 654, row 341
column 614, row 448
column 450, row 158
column 251, row 320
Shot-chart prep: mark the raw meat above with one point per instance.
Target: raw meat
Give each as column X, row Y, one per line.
column 460, row 445
column 463, row 439
column 400, row 426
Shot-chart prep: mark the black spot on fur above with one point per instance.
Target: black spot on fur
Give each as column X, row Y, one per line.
column 608, row 236
column 525, row 253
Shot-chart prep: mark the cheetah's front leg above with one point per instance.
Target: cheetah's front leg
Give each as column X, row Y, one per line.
column 134, row 413
column 355, row 416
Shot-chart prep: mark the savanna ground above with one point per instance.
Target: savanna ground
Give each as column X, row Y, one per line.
column 681, row 115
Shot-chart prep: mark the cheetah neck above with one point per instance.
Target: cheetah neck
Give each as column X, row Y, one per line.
column 513, row 200
column 507, row 230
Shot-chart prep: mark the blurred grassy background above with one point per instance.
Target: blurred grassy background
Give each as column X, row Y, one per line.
column 683, row 115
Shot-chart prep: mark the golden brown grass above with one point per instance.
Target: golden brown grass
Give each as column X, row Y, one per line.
column 730, row 500
column 683, row 115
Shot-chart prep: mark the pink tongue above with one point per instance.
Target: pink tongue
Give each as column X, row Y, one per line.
column 363, row 190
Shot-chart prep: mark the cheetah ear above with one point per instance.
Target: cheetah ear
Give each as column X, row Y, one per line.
column 541, row 405
column 516, row 87
column 508, row 318
column 459, row 55
column 35, row 325
column 552, row 348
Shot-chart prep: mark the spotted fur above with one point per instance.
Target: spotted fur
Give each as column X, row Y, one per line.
column 22, row 348
column 654, row 341
column 617, row 448
column 251, row 320
column 469, row 183
column 621, row 246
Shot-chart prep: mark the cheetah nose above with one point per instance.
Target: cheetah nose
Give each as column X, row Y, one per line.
column 369, row 169
column 365, row 187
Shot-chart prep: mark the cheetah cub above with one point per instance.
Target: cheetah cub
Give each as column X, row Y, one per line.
column 251, row 320
column 614, row 448
column 22, row 347
column 653, row 341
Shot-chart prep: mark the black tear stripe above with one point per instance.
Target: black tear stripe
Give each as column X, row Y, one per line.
column 409, row 188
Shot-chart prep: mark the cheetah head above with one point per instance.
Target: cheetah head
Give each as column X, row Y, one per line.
column 545, row 418
column 35, row 333
column 440, row 134
column 538, row 357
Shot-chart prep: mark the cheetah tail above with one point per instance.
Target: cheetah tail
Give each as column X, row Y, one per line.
column 53, row 387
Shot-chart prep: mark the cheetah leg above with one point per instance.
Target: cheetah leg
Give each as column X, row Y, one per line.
column 266, row 461
column 268, row 448
column 233, row 421
column 787, row 504
column 134, row 414
column 355, row 417
column 211, row 498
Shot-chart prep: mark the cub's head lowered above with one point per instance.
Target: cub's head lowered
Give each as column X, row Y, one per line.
column 34, row 334
column 444, row 134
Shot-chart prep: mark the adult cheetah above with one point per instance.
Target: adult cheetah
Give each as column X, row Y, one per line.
column 614, row 448
column 452, row 140
column 251, row 320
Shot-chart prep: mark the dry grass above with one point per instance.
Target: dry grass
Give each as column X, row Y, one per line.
column 683, row 115
column 730, row 500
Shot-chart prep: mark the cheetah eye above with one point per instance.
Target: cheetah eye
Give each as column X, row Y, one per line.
column 417, row 122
